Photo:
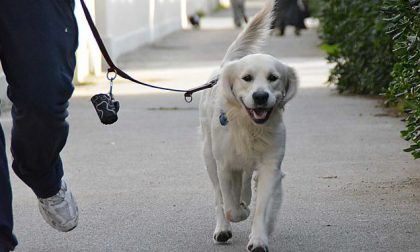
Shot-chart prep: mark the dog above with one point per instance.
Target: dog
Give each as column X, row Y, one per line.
column 243, row 132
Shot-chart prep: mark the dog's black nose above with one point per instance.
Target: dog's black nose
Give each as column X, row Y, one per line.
column 260, row 97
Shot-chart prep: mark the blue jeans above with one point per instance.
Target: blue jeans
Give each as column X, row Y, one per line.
column 38, row 40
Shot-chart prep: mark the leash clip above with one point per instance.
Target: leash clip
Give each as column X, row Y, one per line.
column 111, row 77
column 188, row 97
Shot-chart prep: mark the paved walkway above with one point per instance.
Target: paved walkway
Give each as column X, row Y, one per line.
column 141, row 183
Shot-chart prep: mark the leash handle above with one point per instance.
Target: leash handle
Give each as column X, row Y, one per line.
column 113, row 68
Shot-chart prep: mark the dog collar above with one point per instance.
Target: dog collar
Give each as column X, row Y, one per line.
column 223, row 119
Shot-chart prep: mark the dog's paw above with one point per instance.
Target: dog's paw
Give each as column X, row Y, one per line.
column 222, row 236
column 257, row 245
column 251, row 248
column 238, row 214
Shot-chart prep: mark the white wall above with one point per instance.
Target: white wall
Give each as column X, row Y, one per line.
column 88, row 54
column 124, row 25
column 127, row 24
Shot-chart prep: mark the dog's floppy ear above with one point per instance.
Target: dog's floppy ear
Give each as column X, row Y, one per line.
column 291, row 86
column 226, row 80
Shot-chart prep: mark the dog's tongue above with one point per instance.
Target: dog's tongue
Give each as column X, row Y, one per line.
column 259, row 114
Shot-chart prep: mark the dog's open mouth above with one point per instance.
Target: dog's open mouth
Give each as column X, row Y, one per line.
column 259, row 115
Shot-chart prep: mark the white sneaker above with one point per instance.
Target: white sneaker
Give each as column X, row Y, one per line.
column 60, row 210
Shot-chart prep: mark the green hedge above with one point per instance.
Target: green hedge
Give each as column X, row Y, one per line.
column 403, row 24
column 355, row 39
column 315, row 8
column 375, row 47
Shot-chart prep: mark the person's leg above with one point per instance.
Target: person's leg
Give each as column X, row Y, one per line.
column 237, row 16
column 38, row 43
column 282, row 28
column 7, row 239
column 39, row 39
column 242, row 10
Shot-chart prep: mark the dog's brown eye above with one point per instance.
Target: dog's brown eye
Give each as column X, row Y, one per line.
column 272, row 78
column 247, row 78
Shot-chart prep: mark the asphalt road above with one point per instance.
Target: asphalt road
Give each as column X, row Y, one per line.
column 141, row 183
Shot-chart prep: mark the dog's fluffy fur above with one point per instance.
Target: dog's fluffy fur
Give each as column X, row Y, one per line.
column 243, row 132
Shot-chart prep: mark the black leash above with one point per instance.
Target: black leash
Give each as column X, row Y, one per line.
column 114, row 69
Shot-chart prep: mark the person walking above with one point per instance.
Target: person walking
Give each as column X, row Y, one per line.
column 238, row 8
column 290, row 12
column 38, row 40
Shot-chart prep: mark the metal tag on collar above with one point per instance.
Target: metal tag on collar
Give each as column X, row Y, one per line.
column 223, row 119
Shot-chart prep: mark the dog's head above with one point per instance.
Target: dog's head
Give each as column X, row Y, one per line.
column 259, row 83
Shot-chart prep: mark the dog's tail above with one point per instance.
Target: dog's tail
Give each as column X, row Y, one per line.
column 252, row 38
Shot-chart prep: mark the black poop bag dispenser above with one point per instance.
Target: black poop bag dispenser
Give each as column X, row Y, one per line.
column 105, row 105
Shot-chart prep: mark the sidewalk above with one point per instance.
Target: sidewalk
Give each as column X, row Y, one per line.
column 141, row 183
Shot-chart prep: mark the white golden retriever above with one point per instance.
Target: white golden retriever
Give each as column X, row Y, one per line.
column 243, row 132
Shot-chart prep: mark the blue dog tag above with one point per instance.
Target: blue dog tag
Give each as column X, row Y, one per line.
column 223, row 119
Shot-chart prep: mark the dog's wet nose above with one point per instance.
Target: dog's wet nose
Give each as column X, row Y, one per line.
column 260, row 97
